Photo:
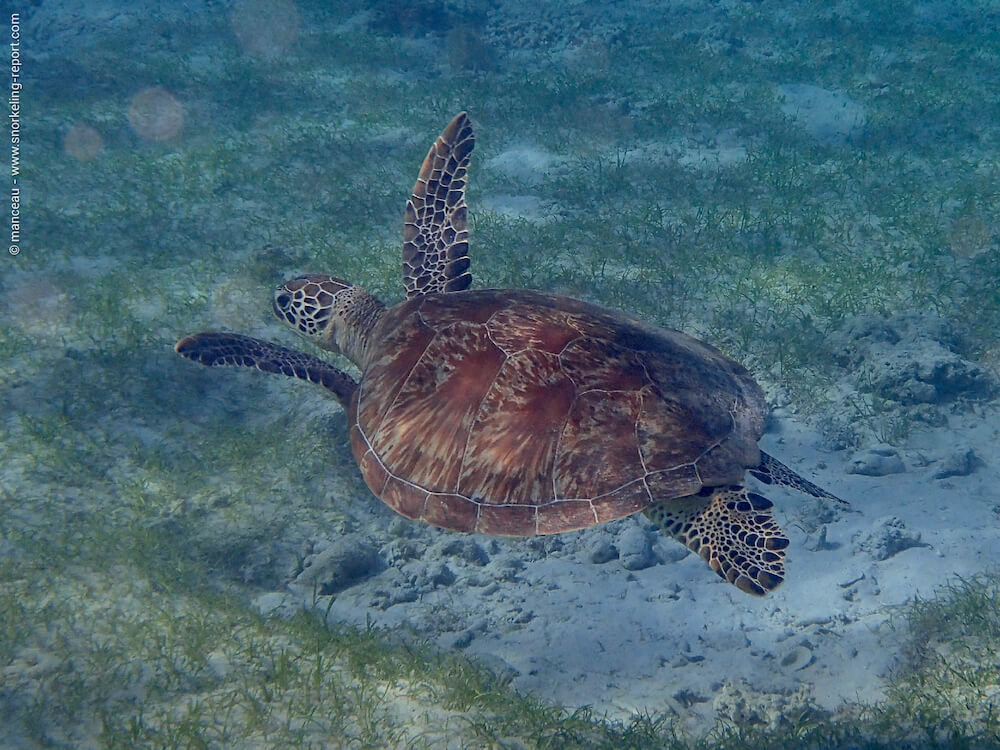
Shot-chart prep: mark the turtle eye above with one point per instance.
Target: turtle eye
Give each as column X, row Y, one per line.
column 283, row 300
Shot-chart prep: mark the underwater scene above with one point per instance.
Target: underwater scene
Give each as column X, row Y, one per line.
column 727, row 478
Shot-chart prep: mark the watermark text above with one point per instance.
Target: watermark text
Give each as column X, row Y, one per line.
column 15, row 133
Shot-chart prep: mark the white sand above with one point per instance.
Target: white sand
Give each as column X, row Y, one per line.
column 673, row 635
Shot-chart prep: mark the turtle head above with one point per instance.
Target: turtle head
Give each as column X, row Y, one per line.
column 330, row 312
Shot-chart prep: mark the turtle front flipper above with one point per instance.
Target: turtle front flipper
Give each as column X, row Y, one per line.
column 772, row 471
column 435, row 232
column 214, row 349
column 733, row 531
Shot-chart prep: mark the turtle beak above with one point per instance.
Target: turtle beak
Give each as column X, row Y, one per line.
column 282, row 305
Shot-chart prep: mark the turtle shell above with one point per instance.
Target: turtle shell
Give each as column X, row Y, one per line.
column 521, row 413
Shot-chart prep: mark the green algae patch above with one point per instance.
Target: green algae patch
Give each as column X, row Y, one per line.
column 946, row 688
column 113, row 658
column 120, row 643
column 143, row 503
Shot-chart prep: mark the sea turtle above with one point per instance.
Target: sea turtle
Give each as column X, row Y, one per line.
column 517, row 412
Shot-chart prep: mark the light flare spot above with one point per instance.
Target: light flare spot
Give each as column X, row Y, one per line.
column 156, row 115
column 38, row 307
column 266, row 29
column 83, row 143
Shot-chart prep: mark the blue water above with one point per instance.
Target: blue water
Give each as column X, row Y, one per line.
column 810, row 188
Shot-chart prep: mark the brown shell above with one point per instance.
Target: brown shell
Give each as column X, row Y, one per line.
column 521, row 413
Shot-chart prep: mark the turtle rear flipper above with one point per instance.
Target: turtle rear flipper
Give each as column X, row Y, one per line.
column 733, row 531
column 772, row 471
column 215, row 349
